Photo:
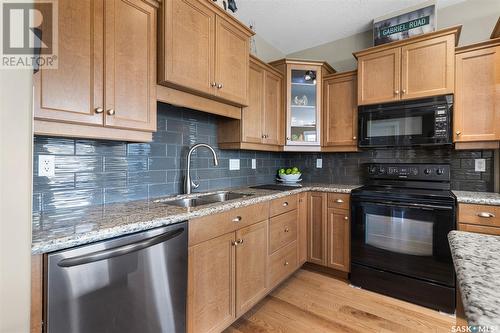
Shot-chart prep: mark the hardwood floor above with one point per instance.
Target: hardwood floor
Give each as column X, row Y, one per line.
column 313, row 302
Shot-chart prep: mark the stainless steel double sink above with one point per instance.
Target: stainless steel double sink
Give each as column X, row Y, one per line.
column 204, row 199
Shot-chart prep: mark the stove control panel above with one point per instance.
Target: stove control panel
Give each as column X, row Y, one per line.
column 425, row 172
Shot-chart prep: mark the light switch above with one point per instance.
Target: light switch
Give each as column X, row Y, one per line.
column 234, row 164
column 254, row 163
column 319, row 163
column 480, row 165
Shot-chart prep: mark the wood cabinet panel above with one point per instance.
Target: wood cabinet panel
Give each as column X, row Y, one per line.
column 187, row 45
column 253, row 116
column 379, row 77
column 428, row 67
column 338, row 229
column 480, row 229
column 231, row 62
column 302, row 228
column 281, row 264
column 339, row 200
column 479, row 214
column 282, row 230
column 340, row 112
column 36, row 315
column 211, row 285
column 73, row 91
column 251, row 266
column 282, row 205
column 273, row 109
column 317, row 237
column 477, row 81
column 130, row 62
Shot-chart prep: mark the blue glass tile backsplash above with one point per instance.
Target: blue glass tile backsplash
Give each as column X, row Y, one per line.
column 92, row 172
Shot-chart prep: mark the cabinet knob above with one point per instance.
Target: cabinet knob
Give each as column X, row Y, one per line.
column 237, row 219
column 485, row 215
column 403, row 91
column 339, row 201
column 99, row 110
column 286, row 263
column 288, row 138
column 286, row 229
column 111, row 112
column 346, row 218
column 285, row 203
column 354, row 138
column 458, row 133
column 213, row 84
column 219, row 86
column 396, row 92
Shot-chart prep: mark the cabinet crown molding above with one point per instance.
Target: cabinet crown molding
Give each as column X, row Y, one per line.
column 456, row 30
column 329, row 68
column 478, row 46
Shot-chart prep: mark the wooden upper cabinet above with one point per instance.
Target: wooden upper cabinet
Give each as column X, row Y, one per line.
column 251, row 266
column 203, row 50
column 317, row 215
column 130, row 62
column 253, row 115
column 428, row 68
column 416, row 67
column 187, row 42
column 379, row 77
column 211, row 280
column 73, row 91
column 231, row 61
column 338, row 229
column 477, row 97
column 273, row 109
column 340, row 111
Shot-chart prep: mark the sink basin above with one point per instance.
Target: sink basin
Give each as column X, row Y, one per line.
column 205, row 199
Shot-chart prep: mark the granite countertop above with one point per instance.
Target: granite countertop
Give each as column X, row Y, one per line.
column 66, row 228
column 480, row 198
column 477, row 265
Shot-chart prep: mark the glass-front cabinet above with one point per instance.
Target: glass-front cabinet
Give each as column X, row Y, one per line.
column 303, row 102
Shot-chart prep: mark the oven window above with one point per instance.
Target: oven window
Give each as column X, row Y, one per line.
column 394, row 127
column 399, row 234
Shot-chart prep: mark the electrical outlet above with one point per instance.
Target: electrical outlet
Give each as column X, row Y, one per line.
column 234, row 164
column 46, row 165
column 480, row 165
column 319, row 163
column 254, row 163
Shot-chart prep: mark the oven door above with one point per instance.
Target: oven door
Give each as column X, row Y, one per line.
column 404, row 238
column 404, row 126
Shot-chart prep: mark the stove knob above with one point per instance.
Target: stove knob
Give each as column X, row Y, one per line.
column 439, row 172
column 381, row 171
column 427, row 171
column 372, row 170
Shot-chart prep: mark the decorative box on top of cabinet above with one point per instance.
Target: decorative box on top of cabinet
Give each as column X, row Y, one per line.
column 203, row 51
column 416, row 67
column 476, row 117
column 105, row 84
column 303, row 100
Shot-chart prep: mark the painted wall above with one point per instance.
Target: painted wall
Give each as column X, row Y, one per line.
column 265, row 51
column 478, row 18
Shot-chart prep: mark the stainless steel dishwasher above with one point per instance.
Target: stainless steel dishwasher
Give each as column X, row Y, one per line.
column 134, row 283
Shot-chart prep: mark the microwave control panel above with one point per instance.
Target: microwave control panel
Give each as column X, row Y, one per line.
column 441, row 122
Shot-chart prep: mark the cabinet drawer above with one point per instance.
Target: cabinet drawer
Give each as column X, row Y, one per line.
column 282, row 230
column 282, row 263
column 338, row 200
column 211, row 226
column 479, row 229
column 282, row 205
column 479, row 214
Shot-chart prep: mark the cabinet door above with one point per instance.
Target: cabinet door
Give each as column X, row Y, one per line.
column 273, row 109
column 231, row 62
column 211, row 285
column 187, row 41
column 428, row 68
column 340, row 113
column 317, row 228
column 302, row 228
column 379, row 77
column 252, row 117
column 251, row 266
column 130, row 62
column 74, row 91
column 338, row 229
column 477, row 82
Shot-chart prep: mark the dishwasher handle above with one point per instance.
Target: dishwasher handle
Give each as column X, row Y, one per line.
column 120, row 250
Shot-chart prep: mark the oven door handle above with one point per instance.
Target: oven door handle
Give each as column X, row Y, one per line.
column 413, row 205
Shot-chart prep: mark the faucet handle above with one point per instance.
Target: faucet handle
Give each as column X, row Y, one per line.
column 194, row 185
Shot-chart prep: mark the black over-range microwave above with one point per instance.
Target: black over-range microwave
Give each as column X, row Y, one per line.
column 410, row 123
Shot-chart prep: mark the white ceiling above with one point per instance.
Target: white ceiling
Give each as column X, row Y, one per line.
column 294, row 25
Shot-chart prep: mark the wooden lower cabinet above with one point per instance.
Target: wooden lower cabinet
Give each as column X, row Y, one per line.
column 282, row 263
column 251, row 266
column 317, row 203
column 482, row 219
column 302, row 228
column 338, row 228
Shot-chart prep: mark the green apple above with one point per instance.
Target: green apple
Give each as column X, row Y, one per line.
column 288, row 171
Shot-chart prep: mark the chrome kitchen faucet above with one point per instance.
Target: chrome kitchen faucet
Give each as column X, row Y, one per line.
column 189, row 184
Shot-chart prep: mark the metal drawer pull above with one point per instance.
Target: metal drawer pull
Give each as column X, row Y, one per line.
column 99, row 110
column 286, row 263
column 285, row 203
column 346, row 218
column 111, row 112
column 485, row 214
column 339, row 201
column 237, row 219
column 286, row 229
column 237, row 242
